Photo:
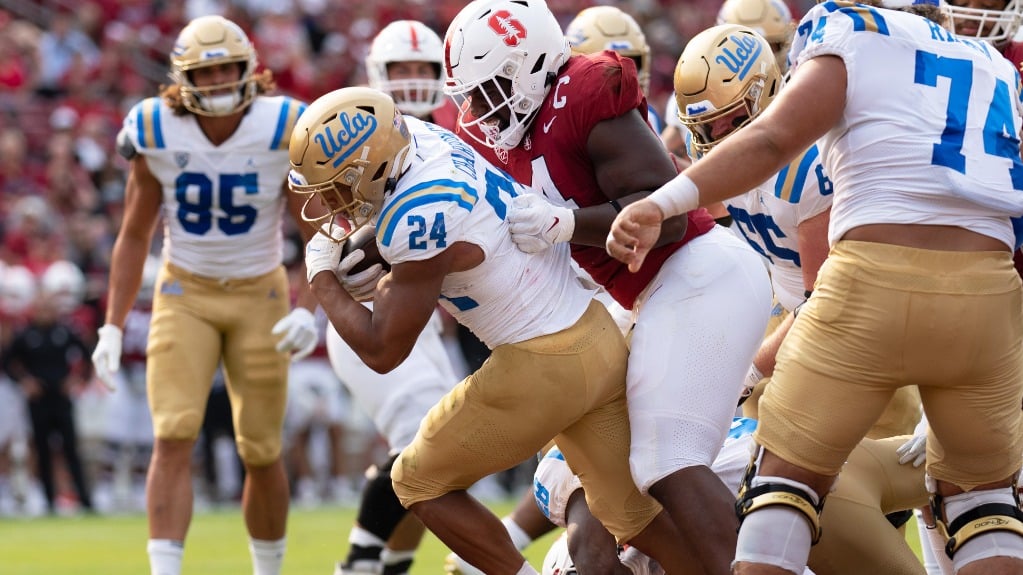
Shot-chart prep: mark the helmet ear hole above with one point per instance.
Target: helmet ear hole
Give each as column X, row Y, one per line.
column 538, row 65
column 380, row 171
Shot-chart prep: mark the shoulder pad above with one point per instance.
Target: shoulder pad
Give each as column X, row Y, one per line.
column 124, row 145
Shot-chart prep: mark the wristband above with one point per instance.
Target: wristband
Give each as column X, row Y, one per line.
column 677, row 196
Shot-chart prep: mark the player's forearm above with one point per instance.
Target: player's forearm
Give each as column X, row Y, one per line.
column 127, row 261
column 355, row 324
column 765, row 357
column 593, row 223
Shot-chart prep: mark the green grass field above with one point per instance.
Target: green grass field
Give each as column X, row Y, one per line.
column 217, row 544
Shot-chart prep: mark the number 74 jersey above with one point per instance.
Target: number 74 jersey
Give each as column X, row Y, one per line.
column 930, row 129
column 222, row 205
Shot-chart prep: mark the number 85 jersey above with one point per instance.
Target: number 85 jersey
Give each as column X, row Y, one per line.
column 929, row 132
column 222, row 205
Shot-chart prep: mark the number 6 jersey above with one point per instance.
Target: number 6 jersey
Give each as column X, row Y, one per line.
column 222, row 204
column 950, row 154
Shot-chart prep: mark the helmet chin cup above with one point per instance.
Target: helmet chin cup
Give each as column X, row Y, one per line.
column 220, row 105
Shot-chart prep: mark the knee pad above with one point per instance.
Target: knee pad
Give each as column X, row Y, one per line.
column 380, row 511
column 778, row 523
column 759, row 492
column 990, row 516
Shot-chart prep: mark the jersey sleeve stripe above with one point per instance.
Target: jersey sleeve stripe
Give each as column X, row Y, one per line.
column 433, row 191
column 790, row 183
column 865, row 18
column 290, row 111
column 148, row 123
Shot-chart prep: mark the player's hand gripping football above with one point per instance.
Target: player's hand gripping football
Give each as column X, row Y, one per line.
column 323, row 252
column 537, row 224
column 634, row 233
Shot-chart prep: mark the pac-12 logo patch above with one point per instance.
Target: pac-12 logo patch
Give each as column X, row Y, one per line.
column 512, row 31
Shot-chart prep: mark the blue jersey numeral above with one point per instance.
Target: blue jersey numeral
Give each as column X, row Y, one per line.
column 196, row 214
column 999, row 135
column 760, row 230
column 438, row 232
column 498, row 182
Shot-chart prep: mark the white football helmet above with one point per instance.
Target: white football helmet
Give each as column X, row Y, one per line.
column 995, row 26
column 558, row 561
column 347, row 150
column 609, row 28
column 516, row 41
column 208, row 41
column 770, row 18
column 17, row 290
column 64, row 283
column 407, row 41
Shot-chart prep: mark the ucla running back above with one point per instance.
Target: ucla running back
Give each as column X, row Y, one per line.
column 440, row 212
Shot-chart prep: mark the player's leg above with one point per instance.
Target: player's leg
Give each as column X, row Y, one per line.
column 525, row 524
column 835, row 375
column 972, row 368
column 857, row 536
column 694, row 338
column 182, row 355
column 256, row 376
column 493, row 420
column 396, row 402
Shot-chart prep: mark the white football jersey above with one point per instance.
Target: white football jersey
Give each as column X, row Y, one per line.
column 222, row 205
column 929, row 134
column 768, row 217
column 452, row 194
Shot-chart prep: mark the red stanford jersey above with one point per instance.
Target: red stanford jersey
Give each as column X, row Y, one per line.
column 1013, row 52
column 446, row 116
column 553, row 156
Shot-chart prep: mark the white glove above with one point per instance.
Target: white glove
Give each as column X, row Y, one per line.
column 299, row 329
column 106, row 358
column 915, row 449
column 322, row 254
column 537, row 224
column 360, row 285
column 753, row 377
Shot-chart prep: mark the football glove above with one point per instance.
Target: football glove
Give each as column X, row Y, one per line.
column 299, row 333
column 360, row 285
column 537, row 224
column 915, row 450
column 322, row 254
column 106, row 358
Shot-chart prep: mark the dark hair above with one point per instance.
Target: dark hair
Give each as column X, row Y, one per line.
column 929, row 11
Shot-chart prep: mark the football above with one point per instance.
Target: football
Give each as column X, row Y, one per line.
column 364, row 239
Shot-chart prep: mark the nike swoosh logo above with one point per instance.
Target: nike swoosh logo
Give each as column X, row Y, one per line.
column 547, row 126
column 556, row 220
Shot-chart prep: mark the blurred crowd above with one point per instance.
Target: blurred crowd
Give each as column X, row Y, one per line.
column 69, row 71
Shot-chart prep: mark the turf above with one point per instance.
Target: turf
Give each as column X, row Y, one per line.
column 217, row 544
